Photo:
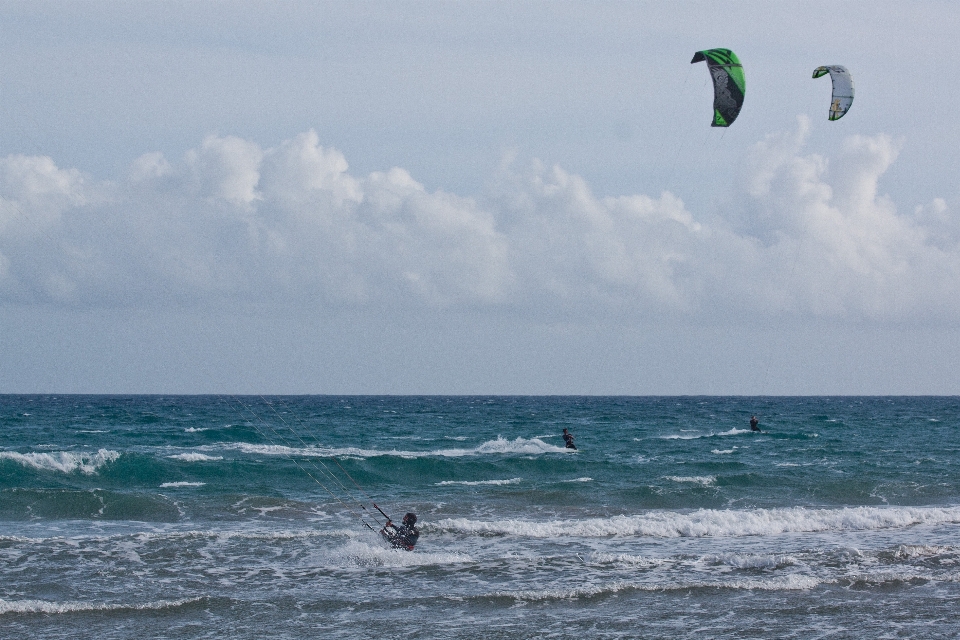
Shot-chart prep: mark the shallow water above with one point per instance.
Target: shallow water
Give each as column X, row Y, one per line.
column 222, row 516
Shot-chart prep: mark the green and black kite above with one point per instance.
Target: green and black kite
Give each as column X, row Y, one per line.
column 729, row 84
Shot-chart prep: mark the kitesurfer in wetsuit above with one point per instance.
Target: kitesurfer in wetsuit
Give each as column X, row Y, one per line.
column 754, row 424
column 404, row 536
column 568, row 438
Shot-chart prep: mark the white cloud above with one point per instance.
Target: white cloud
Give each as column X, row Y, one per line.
column 810, row 236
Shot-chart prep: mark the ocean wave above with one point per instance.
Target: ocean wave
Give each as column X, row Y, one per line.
column 185, row 536
column 45, row 606
column 752, row 561
column 704, row 480
column 713, row 523
column 777, row 583
column 166, row 485
column 920, row 550
column 195, row 457
column 629, row 559
column 735, row 560
column 474, row 483
column 63, row 461
column 532, row 446
column 731, row 432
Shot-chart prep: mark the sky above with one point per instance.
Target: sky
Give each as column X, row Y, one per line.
column 476, row 198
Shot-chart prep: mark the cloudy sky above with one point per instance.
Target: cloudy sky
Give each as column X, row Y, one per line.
column 476, row 197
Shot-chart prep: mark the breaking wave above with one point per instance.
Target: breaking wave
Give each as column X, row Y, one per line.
column 703, row 480
column 195, row 457
column 714, row 523
column 63, row 461
column 44, row 606
column 532, row 446
column 474, row 483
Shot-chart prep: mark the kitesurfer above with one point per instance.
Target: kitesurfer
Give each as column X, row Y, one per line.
column 403, row 536
column 568, row 439
column 754, row 424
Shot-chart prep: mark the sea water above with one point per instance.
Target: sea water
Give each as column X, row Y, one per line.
column 250, row 517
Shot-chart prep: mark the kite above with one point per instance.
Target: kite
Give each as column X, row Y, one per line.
column 842, row 89
column 729, row 84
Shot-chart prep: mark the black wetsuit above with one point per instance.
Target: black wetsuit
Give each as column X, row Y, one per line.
column 568, row 438
column 754, row 424
column 400, row 536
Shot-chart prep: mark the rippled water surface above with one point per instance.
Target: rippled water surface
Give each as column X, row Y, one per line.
column 248, row 517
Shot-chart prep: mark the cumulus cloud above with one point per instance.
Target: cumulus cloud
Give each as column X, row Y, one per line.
column 231, row 221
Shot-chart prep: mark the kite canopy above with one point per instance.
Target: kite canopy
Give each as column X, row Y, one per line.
column 842, row 89
column 729, row 84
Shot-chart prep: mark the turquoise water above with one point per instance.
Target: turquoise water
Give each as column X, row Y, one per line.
column 227, row 516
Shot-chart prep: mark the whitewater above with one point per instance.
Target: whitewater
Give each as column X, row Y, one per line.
column 249, row 517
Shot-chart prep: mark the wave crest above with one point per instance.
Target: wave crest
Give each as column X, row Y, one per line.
column 63, row 461
column 44, row 606
column 713, row 523
column 532, row 446
column 195, row 457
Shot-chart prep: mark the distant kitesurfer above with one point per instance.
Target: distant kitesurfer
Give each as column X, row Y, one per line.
column 754, row 424
column 404, row 536
column 568, row 438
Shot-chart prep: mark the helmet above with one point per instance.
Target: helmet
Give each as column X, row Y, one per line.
column 410, row 518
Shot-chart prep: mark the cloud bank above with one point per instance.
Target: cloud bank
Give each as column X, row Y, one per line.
column 231, row 222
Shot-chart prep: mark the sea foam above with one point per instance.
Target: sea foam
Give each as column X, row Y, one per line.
column 63, row 461
column 713, row 523
column 195, row 457
column 44, row 606
column 730, row 432
column 565, row 592
column 704, row 480
column 532, row 446
column 474, row 483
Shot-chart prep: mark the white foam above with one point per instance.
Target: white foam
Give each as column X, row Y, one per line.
column 533, row 446
column 195, row 457
column 713, row 523
column 628, row 559
column 731, row 432
column 704, row 480
column 473, row 483
column 921, row 550
column 721, row 452
column 63, row 461
column 583, row 479
column 752, row 561
column 779, row 583
column 166, row 485
column 44, row 606
column 362, row 553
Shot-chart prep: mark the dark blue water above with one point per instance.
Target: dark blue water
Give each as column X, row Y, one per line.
column 225, row 516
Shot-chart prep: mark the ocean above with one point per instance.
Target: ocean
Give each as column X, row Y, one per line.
column 251, row 517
